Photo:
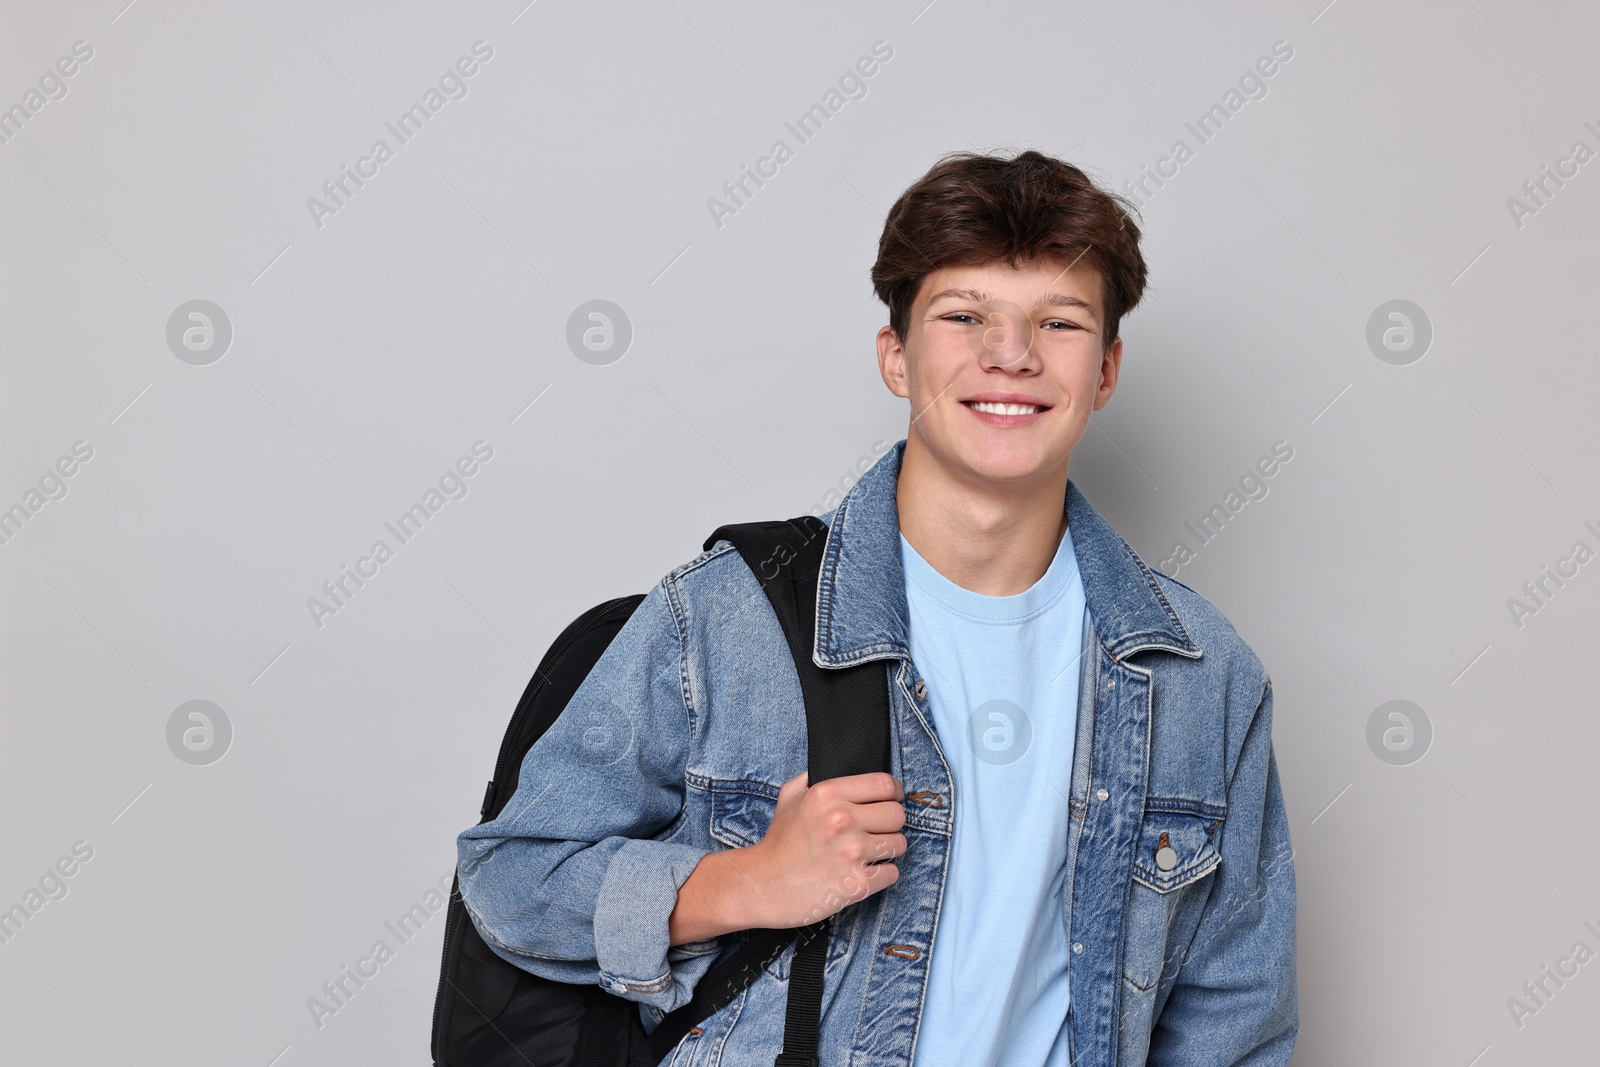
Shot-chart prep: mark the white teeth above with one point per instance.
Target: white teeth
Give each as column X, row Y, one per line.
column 1006, row 409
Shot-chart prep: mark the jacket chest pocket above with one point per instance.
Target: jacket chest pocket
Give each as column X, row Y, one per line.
column 1176, row 852
column 1176, row 848
column 741, row 813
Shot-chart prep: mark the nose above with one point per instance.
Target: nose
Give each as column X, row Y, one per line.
column 1006, row 341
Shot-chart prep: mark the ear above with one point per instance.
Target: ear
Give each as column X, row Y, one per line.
column 1110, row 367
column 892, row 363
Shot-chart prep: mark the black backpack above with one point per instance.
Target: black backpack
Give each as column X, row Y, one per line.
column 490, row 1013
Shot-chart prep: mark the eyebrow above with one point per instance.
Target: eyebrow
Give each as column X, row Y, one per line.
column 981, row 297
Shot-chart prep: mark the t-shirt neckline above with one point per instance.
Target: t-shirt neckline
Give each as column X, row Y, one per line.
column 1058, row 578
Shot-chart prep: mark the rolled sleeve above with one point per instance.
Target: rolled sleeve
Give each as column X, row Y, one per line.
column 572, row 881
column 636, row 897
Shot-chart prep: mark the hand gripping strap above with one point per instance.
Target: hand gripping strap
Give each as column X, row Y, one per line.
column 847, row 732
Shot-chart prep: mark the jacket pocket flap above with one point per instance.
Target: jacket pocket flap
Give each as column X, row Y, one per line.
column 1176, row 848
column 741, row 812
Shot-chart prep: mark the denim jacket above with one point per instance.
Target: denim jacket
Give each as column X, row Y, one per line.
column 677, row 741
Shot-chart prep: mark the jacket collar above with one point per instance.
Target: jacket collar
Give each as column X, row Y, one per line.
column 861, row 596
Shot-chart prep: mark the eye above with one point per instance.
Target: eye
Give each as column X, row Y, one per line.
column 1066, row 324
column 961, row 315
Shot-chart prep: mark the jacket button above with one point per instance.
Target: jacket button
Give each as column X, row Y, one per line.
column 1102, row 793
column 921, row 691
column 1166, row 855
column 1077, row 947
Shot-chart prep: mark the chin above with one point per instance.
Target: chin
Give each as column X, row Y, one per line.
column 1009, row 463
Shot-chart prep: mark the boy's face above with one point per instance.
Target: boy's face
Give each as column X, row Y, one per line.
column 1027, row 335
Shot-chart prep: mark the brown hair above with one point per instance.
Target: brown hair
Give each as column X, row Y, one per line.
column 972, row 209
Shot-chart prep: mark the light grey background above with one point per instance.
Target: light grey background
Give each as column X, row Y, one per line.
column 431, row 311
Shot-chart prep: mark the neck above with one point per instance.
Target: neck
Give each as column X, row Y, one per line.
column 992, row 538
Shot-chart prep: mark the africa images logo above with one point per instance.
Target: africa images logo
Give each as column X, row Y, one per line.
column 1252, row 486
column 852, row 85
column 453, row 484
column 452, row 85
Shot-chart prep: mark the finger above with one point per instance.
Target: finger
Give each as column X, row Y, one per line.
column 868, row 788
column 881, row 876
column 886, row 847
column 882, row 817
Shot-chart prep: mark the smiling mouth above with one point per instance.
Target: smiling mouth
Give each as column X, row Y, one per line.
column 1005, row 409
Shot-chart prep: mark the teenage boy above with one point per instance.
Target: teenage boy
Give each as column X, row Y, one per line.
column 1080, row 856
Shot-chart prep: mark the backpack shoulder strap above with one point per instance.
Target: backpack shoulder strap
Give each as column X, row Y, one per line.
column 847, row 732
column 847, row 708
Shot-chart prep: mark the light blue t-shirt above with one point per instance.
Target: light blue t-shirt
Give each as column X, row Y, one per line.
column 1002, row 675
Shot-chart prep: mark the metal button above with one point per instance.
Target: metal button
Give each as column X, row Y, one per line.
column 1102, row 793
column 921, row 691
column 1166, row 856
column 1111, row 684
column 1077, row 947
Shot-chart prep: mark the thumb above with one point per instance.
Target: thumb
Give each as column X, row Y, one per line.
column 794, row 787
